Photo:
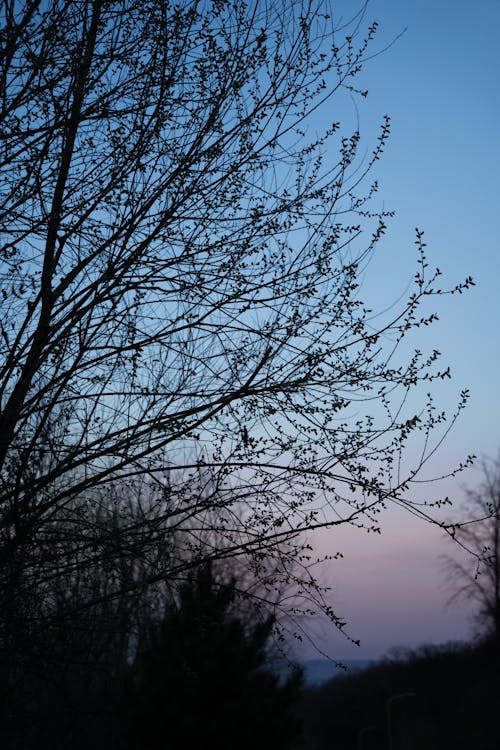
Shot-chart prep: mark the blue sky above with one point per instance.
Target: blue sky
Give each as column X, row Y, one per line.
column 439, row 82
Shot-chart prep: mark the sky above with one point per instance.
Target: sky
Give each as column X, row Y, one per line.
column 439, row 82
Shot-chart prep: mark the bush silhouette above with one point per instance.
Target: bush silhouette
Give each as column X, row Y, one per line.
column 203, row 680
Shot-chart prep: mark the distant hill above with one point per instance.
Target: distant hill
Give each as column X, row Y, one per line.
column 436, row 697
column 319, row 671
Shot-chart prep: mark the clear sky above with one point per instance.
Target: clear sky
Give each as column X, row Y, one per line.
column 439, row 82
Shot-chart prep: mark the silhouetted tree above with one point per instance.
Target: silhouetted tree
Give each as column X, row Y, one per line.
column 65, row 656
column 477, row 578
column 180, row 263
column 66, row 649
column 202, row 677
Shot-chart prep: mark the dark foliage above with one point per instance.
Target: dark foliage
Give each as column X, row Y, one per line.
column 202, row 679
column 442, row 698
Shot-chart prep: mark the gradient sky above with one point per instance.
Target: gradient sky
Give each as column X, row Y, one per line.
column 439, row 82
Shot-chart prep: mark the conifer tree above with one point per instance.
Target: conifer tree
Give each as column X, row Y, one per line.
column 203, row 678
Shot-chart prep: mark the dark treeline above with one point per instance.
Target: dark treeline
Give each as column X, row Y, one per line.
column 198, row 676
column 202, row 675
column 434, row 697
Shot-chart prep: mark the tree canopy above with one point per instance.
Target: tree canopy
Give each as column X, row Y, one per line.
column 181, row 254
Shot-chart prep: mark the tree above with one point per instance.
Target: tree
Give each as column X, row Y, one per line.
column 477, row 578
column 181, row 259
column 202, row 677
column 65, row 642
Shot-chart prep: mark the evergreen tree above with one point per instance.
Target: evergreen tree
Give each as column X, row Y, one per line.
column 203, row 678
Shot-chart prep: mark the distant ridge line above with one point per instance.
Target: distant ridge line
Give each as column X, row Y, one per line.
column 319, row 671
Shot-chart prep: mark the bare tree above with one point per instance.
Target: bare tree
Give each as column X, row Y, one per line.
column 181, row 256
column 477, row 579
